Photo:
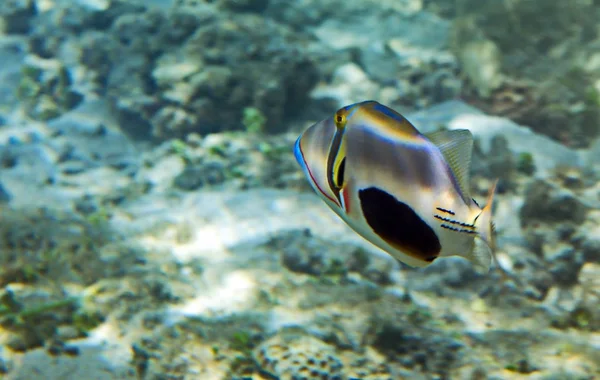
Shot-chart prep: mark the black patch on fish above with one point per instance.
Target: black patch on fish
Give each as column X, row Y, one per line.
column 398, row 224
column 341, row 172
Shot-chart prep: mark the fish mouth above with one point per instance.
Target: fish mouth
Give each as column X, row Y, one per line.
column 309, row 175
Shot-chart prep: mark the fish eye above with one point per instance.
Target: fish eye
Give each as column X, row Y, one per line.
column 340, row 119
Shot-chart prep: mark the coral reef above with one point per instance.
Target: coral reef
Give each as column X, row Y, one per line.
column 289, row 357
column 199, row 61
column 556, row 57
column 304, row 253
column 37, row 251
column 228, row 159
column 154, row 223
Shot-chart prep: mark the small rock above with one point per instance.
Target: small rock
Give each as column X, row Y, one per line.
column 46, row 89
column 87, row 205
column 168, row 71
column 245, row 5
column 66, row 333
column 164, row 170
column 4, row 195
column 500, row 163
column 547, row 203
column 195, row 176
column 304, row 253
column 5, row 365
column 73, row 167
column 481, row 62
column 16, row 16
column 571, row 178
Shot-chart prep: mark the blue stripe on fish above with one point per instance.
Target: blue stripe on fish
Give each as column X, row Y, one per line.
column 386, row 111
column 298, row 155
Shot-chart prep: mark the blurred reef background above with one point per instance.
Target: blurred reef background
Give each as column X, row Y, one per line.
column 154, row 223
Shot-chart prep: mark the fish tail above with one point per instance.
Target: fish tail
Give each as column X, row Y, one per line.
column 484, row 243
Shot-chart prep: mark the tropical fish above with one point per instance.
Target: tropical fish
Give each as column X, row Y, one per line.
column 405, row 192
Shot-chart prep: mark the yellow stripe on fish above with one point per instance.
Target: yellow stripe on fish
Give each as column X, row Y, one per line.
column 404, row 191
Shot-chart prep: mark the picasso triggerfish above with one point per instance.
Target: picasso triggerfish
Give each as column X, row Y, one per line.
column 405, row 192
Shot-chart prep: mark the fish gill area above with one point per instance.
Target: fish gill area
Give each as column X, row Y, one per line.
column 154, row 223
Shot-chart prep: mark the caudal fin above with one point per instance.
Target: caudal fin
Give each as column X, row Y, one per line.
column 484, row 243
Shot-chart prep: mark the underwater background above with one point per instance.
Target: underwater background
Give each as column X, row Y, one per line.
column 155, row 225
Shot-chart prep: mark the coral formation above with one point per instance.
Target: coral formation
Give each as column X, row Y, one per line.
column 154, row 223
column 37, row 251
column 290, row 357
column 199, row 61
column 304, row 253
column 555, row 52
column 45, row 90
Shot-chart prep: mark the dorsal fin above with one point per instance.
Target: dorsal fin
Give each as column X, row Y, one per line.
column 456, row 147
